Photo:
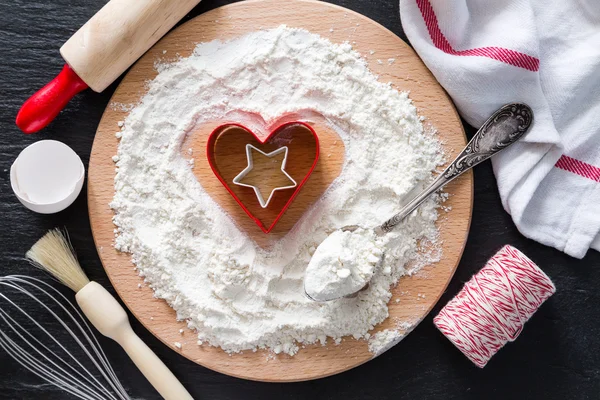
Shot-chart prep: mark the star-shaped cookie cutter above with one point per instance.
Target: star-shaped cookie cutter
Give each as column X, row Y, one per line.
column 238, row 178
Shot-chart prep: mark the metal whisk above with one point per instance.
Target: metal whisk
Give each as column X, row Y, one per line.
column 26, row 305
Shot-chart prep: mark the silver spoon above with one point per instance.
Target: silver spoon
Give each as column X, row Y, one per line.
column 503, row 128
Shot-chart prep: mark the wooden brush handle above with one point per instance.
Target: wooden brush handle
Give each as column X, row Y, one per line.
column 107, row 315
column 113, row 39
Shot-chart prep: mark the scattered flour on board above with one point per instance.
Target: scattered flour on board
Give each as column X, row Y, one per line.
column 387, row 338
column 121, row 106
column 190, row 252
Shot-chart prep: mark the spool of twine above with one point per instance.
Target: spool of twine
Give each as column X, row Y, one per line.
column 493, row 306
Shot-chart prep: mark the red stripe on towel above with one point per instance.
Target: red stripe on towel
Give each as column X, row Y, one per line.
column 507, row 56
column 579, row 167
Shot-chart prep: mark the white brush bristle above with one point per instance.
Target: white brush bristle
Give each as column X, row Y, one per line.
column 54, row 254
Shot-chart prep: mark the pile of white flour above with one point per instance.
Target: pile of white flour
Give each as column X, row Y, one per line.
column 233, row 293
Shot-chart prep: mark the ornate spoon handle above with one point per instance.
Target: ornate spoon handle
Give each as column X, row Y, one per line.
column 503, row 128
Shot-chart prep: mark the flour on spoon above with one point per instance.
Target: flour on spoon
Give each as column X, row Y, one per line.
column 342, row 265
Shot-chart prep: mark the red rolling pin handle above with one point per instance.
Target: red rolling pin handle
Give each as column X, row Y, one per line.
column 41, row 108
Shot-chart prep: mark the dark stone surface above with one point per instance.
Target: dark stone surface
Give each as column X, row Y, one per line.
column 556, row 357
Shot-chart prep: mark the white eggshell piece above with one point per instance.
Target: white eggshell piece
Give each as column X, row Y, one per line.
column 47, row 176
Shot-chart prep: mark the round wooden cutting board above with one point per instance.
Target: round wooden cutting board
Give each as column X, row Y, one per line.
column 416, row 295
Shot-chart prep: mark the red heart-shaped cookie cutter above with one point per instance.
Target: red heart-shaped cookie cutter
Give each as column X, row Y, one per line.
column 303, row 153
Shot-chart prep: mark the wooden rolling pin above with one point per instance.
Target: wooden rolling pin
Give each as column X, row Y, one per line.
column 101, row 51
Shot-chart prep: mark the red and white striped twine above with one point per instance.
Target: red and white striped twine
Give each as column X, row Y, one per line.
column 492, row 307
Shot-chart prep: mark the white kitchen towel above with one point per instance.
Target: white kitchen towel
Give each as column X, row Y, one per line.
column 545, row 53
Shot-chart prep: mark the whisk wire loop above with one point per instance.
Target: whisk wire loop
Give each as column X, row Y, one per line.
column 43, row 353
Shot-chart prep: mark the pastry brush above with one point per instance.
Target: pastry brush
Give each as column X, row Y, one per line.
column 54, row 254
